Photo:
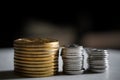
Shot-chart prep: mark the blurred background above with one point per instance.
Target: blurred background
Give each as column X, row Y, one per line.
column 91, row 28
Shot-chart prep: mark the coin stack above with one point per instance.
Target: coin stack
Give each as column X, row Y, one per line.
column 72, row 59
column 98, row 60
column 36, row 57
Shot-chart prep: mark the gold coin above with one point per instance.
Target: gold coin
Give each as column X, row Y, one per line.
column 35, row 62
column 36, row 68
column 37, row 46
column 56, row 59
column 35, row 71
column 37, row 52
column 35, row 75
column 36, row 59
column 34, row 55
column 37, row 49
column 36, row 65
column 36, row 42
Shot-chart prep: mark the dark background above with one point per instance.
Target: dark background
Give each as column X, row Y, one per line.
column 98, row 20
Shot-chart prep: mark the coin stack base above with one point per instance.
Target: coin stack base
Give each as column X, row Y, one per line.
column 36, row 57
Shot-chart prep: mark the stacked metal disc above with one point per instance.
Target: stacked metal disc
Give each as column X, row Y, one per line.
column 72, row 59
column 98, row 60
column 36, row 57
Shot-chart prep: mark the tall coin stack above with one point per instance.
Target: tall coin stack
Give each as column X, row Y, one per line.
column 72, row 59
column 36, row 57
column 98, row 60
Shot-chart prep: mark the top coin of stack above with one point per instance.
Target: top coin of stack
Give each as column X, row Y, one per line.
column 36, row 57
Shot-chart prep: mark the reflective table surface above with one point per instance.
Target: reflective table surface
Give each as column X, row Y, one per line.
column 7, row 69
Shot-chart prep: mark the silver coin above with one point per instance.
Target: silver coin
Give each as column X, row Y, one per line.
column 100, row 71
column 97, row 58
column 74, row 72
column 99, row 61
column 72, row 57
column 70, row 60
column 72, row 68
column 95, row 66
column 91, row 64
column 96, row 54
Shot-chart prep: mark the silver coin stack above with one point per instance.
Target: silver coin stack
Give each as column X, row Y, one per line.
column 98, row 60
column 73, row 59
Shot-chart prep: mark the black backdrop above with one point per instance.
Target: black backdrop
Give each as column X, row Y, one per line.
column 12, row 23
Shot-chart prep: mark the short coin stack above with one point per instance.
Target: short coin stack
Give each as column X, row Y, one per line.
column 36, row 57
column 72, row 59
column 98, row 60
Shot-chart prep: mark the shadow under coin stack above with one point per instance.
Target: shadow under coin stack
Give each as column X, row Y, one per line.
column 36, row 57
column 98, row 60
column 72, row 59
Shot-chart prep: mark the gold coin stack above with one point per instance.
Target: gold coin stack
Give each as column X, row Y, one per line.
column 36, row 57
